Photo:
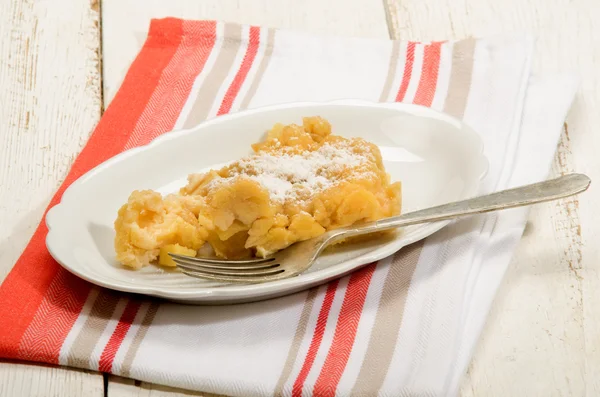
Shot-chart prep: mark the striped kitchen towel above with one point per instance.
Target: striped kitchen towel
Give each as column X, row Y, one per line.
column 405, row 325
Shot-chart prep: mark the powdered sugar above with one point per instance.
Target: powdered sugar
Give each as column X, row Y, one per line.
column 278, row 188
column 285, row 175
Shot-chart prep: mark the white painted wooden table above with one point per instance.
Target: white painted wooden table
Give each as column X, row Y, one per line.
column 61, row 62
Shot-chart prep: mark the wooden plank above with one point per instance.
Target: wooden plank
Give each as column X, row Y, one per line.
column 541, row 336
column 125, row 23
column 45, row 381
column 122, row 387
column 51, row 100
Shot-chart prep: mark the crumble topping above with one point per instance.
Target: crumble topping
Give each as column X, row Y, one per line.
column 284, row 173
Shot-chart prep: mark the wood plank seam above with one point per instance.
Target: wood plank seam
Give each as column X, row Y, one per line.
column 48, row 53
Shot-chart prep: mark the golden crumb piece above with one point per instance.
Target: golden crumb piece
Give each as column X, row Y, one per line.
column 148, row 222
column 165, row 259
column 308, row 136
column 317, row 127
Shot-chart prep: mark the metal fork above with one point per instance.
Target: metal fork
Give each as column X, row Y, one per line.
column 300, row 256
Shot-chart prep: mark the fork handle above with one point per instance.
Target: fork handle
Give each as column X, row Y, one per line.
column 553, row 189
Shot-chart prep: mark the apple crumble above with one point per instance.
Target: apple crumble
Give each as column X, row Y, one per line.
column 300, row 182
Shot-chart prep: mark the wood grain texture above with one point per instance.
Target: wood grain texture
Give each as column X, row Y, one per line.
column 122, row 387
column 18, row 380
column 51, row 100
column 541, row 335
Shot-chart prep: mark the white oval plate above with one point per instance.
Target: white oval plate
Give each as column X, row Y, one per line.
column 437, row 158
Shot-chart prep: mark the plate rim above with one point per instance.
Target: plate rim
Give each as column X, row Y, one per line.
column 253, row 292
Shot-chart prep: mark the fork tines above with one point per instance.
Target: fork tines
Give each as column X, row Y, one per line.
column 221, row 270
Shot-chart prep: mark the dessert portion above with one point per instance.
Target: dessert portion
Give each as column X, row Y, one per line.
column 149, row 222
column 298, row 183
